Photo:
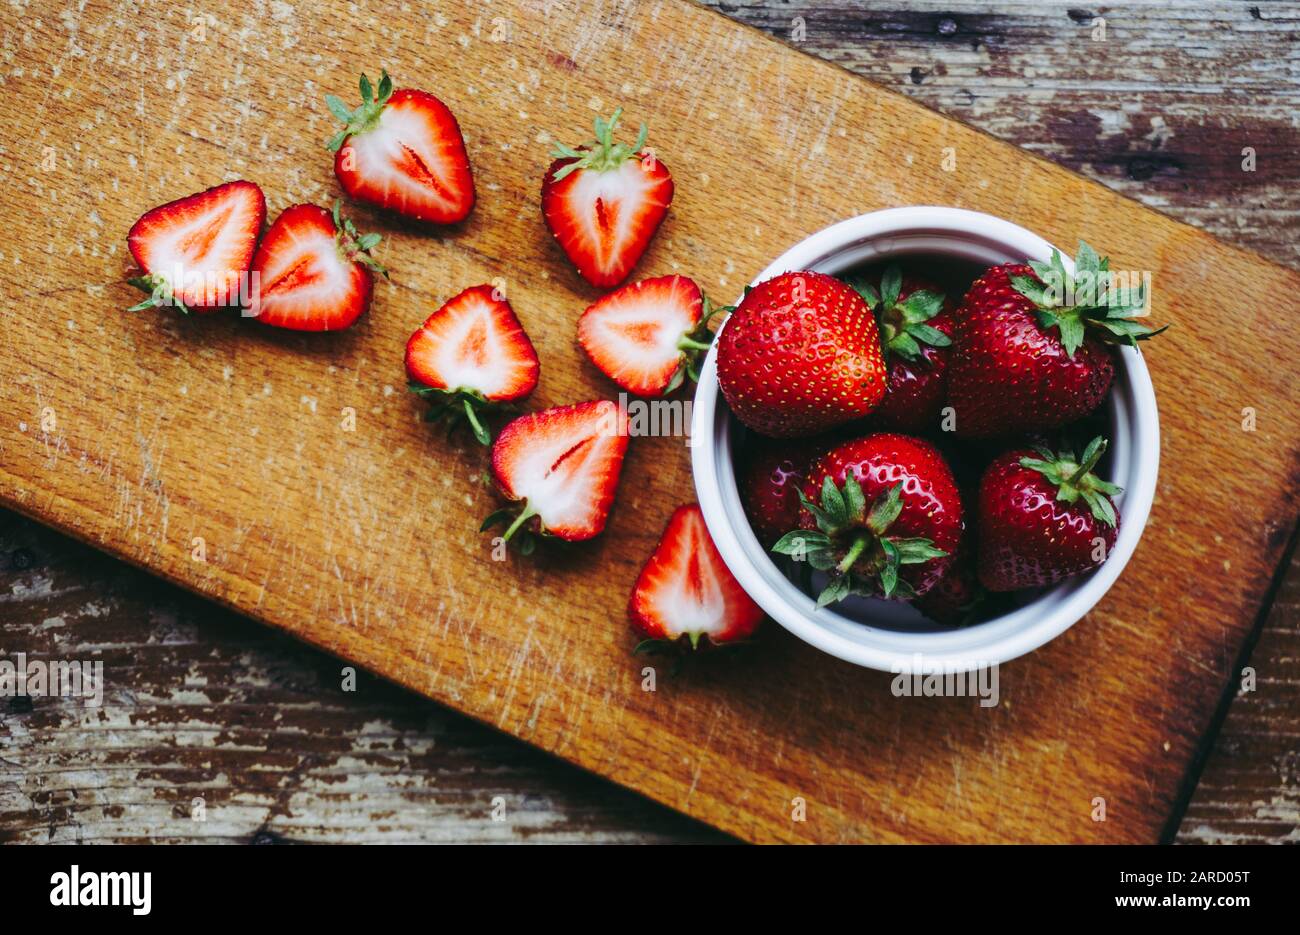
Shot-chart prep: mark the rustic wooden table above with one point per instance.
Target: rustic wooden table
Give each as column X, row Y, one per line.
column 209, row 716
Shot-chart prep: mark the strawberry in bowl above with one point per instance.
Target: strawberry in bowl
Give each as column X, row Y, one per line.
column 881, row 516
column 881, row 513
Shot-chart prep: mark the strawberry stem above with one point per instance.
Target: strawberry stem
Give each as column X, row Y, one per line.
column 1073, row 478
column 1093, row 301
column 479, row 431
column 601, row 154
column 524, row 516
column 364, row 117
column 860, row 543
column 1097, row 451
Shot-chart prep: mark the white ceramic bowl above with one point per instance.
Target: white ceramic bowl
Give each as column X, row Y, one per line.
column 880, row 634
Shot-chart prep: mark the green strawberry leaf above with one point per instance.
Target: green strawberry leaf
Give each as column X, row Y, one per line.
column 886, row 509
column 921, row 306
column 833, row 503
column 930, row 335
column 836, row 590
column 854, row 499
column 890, row 285
column 915, row 551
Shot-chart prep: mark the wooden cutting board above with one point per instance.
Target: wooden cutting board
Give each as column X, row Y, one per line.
column 143, row 433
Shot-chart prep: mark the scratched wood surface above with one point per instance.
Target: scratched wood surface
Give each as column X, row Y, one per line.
column 704, row 745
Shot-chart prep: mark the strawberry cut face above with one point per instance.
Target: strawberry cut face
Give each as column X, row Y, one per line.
column 686, row 590
column 604, row 201
column 197, row 249
column 303, row 281
column 411, row 160
column 634, row 335
column 474, row 342
column 565, row 462
column 604, row 220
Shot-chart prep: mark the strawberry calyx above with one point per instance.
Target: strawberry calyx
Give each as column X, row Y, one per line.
column 1090, row 301
column 601, row 154
column 459, row 406
column 355, row 247
column 522, row 539
column 694, row 344
column 851, row 543
column 1073, row 477
column 363, row 118
column 903, row 327
column 159, row 291
column 691, row 641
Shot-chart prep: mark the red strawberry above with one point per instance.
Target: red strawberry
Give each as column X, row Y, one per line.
column 770, row 476
column 647, row 336
column 402, row 150
column 469, row 356
column 915, row 321
column 604, row 201
column 799, row 355
column 195, row 251
column 1023, row 360
column 1044, row 516
column 958, row 595
column 564, row 464
column 313, row 271
column 882, row 517
column 685, row 590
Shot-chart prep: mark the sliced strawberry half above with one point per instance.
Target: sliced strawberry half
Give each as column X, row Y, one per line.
column 312, row 271
column 470, row 356
column 403, row 150
column 195, row 251
column 564, row 464
column 647, row 336
column 604, row 201
column 686, row 590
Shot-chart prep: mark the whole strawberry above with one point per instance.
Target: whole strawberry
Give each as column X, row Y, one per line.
column 1044, row 516
column 770, row 475
column 799, row 355
column 882, row 517
column 916, row 325
column 1031, row 347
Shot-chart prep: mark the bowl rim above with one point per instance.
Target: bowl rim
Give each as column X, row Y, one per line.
column 957, row 650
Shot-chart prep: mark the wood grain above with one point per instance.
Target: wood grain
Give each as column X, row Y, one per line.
column 205, row 708
column 319, row 533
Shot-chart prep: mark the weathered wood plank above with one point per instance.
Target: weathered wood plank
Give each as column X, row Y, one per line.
column 206, row 708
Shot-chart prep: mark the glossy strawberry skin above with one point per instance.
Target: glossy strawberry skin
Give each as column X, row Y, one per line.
column 917, row 389
column 1008, row 374
column 770, row 474
column 1029, row 538
column 800, row 355
column 950, row 601
column 932, row 507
